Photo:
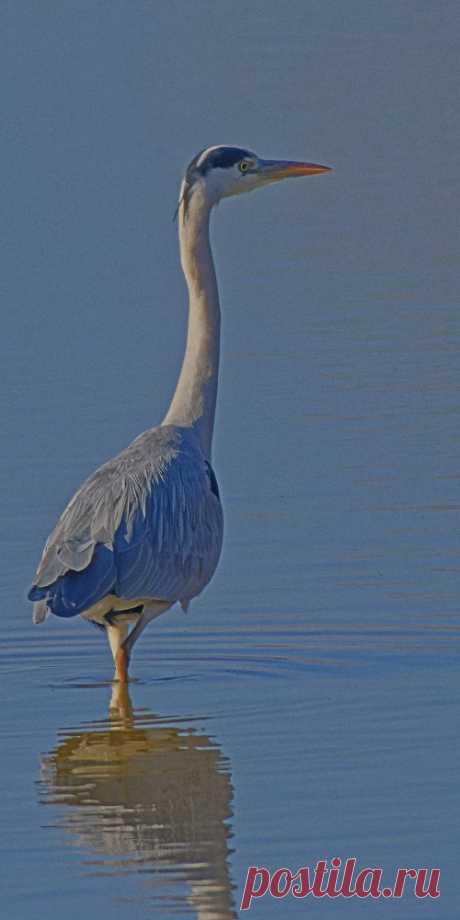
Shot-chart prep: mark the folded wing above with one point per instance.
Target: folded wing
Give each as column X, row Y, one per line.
column 147, row 524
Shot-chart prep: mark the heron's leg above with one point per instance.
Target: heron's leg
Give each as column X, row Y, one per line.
column 149, row 614
column 120, row 707
column 116, row 635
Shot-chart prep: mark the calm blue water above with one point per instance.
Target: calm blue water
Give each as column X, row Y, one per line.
column 307, row 706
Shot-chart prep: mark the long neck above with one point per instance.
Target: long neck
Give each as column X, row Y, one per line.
column 194, row 401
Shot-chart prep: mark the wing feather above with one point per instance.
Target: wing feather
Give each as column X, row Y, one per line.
column 146, row 524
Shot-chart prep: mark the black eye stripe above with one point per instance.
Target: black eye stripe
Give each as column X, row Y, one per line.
column 219, row 158
column 223, row 158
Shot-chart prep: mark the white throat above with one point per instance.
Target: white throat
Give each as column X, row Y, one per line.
column 194, row 401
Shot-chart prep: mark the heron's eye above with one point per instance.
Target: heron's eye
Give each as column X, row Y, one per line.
column 243, row 166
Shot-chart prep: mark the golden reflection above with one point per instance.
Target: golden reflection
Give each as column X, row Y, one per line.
column 148, row 798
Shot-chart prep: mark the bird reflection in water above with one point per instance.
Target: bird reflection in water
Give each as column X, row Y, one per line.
column 149, row 798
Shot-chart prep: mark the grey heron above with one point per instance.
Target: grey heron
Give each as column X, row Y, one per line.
column 145, row 530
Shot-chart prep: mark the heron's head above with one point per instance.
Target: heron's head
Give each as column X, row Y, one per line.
column 219, row 172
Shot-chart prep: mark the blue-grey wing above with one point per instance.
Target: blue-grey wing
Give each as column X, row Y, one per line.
column 146, row 524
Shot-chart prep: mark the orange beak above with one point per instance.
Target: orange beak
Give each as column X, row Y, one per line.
column 286, row 169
